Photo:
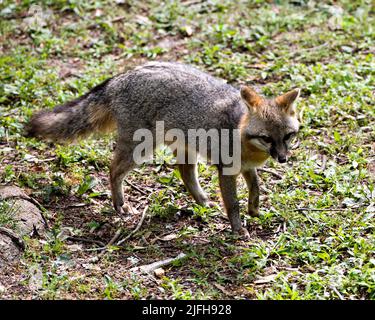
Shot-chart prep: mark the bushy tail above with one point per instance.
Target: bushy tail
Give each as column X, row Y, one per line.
column 78, row 118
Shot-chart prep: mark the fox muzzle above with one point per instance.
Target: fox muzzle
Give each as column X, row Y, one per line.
column 279, row 153
column 281, row 158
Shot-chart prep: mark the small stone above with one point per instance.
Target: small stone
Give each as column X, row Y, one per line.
column 159, row 272
column 188, row 30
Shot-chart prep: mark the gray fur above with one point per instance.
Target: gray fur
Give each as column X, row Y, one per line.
column 184, row 98
column 180, row 95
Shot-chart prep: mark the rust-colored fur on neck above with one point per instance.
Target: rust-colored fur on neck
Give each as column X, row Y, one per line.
column 250, row 155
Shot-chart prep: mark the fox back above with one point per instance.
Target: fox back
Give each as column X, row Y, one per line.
column 182, row 97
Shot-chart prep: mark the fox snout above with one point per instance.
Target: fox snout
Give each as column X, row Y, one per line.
column 279, row 153
column 282, row 159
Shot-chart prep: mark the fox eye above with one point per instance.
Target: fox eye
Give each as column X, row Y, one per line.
column 289, row 136
column 266, row 139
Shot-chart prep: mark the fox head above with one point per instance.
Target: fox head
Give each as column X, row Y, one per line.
column 271, row 124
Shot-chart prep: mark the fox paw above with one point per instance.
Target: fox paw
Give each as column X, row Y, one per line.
column 205, row 202
column 210, row 204
column 243, row 233
column 253, row 212
column 125, row 209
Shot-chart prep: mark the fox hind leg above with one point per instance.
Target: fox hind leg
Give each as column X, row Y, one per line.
column 121, row 164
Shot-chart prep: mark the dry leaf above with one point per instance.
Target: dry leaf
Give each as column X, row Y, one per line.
column 169, row 237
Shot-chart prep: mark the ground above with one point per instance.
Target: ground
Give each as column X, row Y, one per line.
column 314, row 238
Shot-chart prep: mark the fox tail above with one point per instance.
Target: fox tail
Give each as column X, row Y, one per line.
column 75, row 119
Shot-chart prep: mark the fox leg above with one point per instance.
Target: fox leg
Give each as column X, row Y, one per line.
column 188, row 168
column 252, row 182
column 228, row 187
column 190, row 178
column 121, row 164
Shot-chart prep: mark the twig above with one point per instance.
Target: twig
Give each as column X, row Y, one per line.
column 74, row 205
column 117, row 19
column 302, row 210
column 14, row 237
column 136, row 188
column 116, row 236
column 148, row 268
column 111, row 242
column 80, row 239
column 191, row 2
column 47, row 160
column 104, row 247
column 136, row 229
column 337, row 292
column 271, row 172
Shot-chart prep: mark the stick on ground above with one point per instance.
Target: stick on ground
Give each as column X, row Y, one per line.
column 87, row 240
column 117, row 236
column 277, row 175
column 149, row 268
column 136, row 188
column 136, row 229
column 111, row 242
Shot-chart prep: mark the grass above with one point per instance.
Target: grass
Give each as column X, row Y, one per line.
column 325, row 251
column 7, row 215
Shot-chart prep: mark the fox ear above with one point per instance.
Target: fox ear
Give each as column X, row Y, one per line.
column 286, row 101
column 251, row 98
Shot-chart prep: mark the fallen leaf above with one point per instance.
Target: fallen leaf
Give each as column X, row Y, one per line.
column 169, row 237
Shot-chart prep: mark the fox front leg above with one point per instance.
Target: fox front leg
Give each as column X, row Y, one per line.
column 189, row 177
column 228, row 187
column 252, row 182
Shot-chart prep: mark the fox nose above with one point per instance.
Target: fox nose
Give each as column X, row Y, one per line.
column 282, row 159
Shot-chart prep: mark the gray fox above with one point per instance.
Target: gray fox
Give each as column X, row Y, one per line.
column 184, row 98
